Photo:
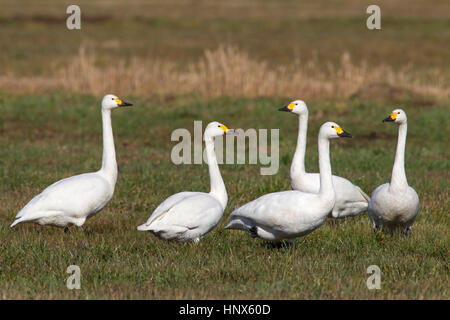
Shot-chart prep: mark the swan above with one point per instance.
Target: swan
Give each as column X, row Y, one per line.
column 350, row 199
column 395, row 205
column 73, row 200
column 188, row 216
column 289, row 214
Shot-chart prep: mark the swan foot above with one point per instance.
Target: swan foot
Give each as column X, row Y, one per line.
column 407, row 231
column 376, row 227
column 333, row 222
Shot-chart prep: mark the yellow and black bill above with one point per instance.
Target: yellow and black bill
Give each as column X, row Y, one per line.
column 391, row 117
column 342, row 133
column 345, row 134
column 287, row 108
column 122, row 103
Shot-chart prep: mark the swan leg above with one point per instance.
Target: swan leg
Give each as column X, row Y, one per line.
column 407, row 231
column 333, row 222
column 375, row 227
column 253, row 232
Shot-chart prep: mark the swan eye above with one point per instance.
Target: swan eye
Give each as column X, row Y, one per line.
column 332, row 127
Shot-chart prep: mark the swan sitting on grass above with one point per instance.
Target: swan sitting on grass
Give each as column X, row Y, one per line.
column 289, row 214
column 191, row 215
column 395, row 205
column 73, row 200
column 350, row 199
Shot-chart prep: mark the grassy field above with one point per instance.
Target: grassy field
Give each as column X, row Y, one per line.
column 48, row 137
column 236, row 62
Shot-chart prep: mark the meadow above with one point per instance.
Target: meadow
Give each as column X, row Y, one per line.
column 51, row 83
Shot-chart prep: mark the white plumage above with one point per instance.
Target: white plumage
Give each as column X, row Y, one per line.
column 395, row 205
column 73, row 200
column 191, row 215
column 290, row 214
column 350, row 199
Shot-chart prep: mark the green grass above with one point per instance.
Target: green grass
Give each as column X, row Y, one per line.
column 46, row 137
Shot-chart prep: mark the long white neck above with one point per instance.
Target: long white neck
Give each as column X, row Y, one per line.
column 326, row 182
column 217, row 185
column 109, row 164
column 298, row 162
column 398, row 178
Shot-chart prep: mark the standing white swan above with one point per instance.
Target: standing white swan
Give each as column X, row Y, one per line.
column 191, row 215
column 73, row 200
column 350, row 199
column 395, row 205
column 290, row 214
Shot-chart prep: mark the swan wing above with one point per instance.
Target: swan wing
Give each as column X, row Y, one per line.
column 192, row 210
column 283, row 211
column 78, row 195
column 167, row 204
column 345, row 189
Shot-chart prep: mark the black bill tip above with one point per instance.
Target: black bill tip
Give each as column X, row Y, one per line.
column 345, row 134
column 388, row 119
column 285, row 109
column 125, row 104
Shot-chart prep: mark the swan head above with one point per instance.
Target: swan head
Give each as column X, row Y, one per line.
column 331, row 130
column 215, row 129
column 111, row 101
column 297, row 106
column 398, row 116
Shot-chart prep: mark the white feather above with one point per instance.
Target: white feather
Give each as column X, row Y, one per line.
column 395, row 205
column 290, row 214
column 350, row 199
column 73, row 200
column 191, row 215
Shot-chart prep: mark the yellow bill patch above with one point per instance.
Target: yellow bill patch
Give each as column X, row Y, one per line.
column 224, row 128
column 291, row 106
column 394, row 115
column 338, row 129
column 119, row 102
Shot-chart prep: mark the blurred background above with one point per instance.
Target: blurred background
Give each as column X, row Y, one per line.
column 250, row 48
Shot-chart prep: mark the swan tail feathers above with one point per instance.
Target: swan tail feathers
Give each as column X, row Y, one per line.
column 19, row 220
column 239, row 224
column 144, row 227
column 365, row 196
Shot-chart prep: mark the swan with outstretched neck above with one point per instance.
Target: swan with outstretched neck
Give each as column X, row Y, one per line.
column 289, row 214
column 395, row 205
column 191, row 215
column 350, row 199
column 73, row 200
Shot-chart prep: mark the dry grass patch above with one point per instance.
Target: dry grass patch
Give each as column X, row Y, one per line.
column 228, row 71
